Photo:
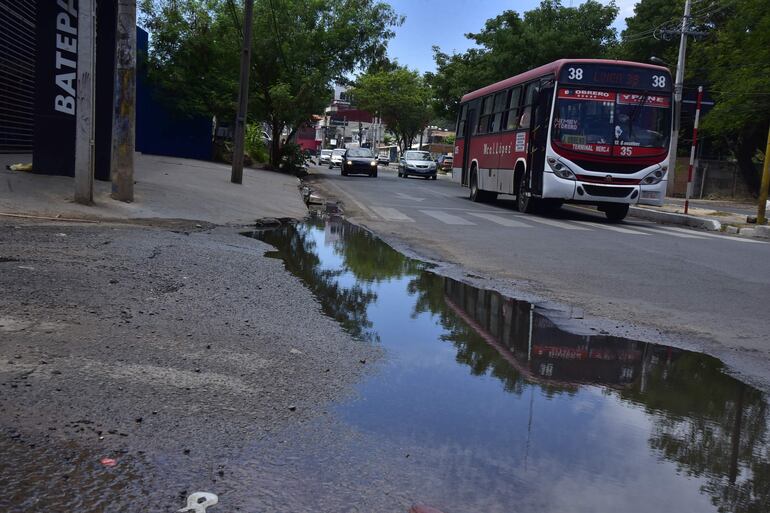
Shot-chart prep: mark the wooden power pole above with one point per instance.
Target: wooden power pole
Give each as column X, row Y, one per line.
column 84, row 106
column 124, row 103
column 243, row 95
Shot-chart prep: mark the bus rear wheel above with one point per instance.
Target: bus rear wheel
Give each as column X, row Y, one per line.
column 477, row 195
column 615, row 213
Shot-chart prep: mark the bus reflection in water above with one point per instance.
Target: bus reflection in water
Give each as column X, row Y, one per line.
column 541, row 352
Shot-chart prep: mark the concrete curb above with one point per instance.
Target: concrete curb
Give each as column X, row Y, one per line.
column 673, row 218
column 762, row 232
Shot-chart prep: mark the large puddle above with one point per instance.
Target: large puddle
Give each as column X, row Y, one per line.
column 483, row 404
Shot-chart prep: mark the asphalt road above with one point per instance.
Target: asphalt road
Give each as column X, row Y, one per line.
column 700, row 290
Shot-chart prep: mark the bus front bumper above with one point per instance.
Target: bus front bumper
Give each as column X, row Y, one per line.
column 589, row 192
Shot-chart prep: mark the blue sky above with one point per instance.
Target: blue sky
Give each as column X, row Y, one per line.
column 445, row 23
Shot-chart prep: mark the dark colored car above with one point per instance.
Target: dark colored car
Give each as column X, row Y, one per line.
column 444, row 163
column 359, row 161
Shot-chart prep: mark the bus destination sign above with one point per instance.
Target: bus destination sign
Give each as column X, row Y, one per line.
column 616, row 76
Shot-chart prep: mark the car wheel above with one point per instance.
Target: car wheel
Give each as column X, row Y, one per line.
column 374, row 174
column 616, row 213
column 433, row 177
column 343, row 172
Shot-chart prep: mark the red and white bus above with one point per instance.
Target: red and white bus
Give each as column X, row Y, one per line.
column 575, row 130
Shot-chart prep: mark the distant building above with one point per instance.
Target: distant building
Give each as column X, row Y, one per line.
column 344, row 126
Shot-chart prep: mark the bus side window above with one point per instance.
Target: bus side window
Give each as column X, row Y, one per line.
column 486, row 110
column 461, row 121
column 499, row 108
column 526, row 113
column 513, row 109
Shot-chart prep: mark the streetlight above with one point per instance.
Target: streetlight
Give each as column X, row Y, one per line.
column 660, row 62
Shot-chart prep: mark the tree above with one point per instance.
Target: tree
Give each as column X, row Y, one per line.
column 731, row 62
column 194, row 56
column 299, row 49
column 736, row 60
column 511, row 44
column 400, row 97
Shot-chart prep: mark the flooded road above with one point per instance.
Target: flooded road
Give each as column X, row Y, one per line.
column 484, row 404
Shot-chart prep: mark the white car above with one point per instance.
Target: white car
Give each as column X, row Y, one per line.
column 325, row 157
column 336, row 158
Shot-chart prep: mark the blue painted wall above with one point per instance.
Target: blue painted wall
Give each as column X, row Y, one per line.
column 159, row 130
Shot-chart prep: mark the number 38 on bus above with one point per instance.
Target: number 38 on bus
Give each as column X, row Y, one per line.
column 595, row 132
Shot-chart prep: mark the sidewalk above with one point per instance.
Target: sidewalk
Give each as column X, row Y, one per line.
column 713, row 215
column 165, row 188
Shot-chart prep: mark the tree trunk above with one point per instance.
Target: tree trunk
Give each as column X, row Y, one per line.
column 745, row 149
column 275, row 145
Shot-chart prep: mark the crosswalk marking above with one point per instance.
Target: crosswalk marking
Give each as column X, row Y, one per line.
column 711, row 235
column 447, row 218
column 503, row 221
column 408, row 197
column 391, row 214
column 557, row 224
column 673, row 234
column 609, row 227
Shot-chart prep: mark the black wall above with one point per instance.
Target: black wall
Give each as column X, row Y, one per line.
column 54, row 135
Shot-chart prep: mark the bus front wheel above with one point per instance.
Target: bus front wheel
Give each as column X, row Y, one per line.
column 525, row 203
column 615, row 213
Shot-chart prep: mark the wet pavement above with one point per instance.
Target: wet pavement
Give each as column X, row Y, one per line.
column 484, row 404
column 480, row 404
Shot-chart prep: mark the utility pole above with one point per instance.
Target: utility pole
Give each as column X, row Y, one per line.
column 84, row 106
column 124, row 103
column 765, row 184
column 243, row 95
column 683, row 32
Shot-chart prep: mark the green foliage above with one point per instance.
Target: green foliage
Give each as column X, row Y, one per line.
column 732, row 63
column 400, row 97
column 299, row 48
column 292, row 158
column 254, row 143
column 642, row 38
column 511, row 44
column 194, row 57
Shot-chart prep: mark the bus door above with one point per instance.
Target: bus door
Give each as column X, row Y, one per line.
column 470, row 122
column 538, row 136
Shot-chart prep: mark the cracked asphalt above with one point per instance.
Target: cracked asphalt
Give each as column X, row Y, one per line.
column 176, row 350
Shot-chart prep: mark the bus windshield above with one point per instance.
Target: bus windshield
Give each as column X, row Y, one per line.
column 611, row 122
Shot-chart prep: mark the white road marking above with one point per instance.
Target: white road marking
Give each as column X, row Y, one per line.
column 357, row 203
column 447, row 218
column 609, row 227
column 503, row 221
column 711, row 235
column 673, row 234
column 391, row 214
column 557, row 224
column 408, row 197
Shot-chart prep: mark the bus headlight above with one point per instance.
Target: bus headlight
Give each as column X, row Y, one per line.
column 560, row 170
column 654, row 178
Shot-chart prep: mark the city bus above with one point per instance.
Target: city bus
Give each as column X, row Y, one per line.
column 588, row 131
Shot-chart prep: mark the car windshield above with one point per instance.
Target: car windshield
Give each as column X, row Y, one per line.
column 339, row 151
column 417, row 155
column 361, row 152
column 612, row 123
column 326, row 152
